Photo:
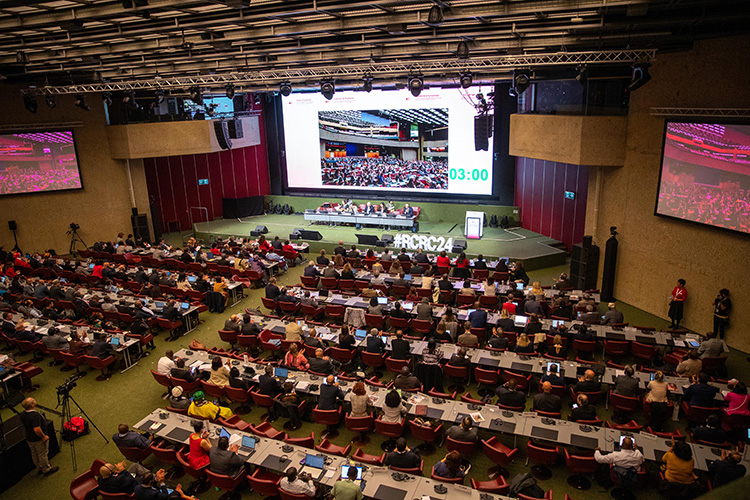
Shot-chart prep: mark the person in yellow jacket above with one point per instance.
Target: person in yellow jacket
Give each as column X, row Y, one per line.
column 206, row 409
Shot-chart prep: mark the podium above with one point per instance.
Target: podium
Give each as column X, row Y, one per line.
column 474, row 225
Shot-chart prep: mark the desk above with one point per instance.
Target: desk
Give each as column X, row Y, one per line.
column 365, row 220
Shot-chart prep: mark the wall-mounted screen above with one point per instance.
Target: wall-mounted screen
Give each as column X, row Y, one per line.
column 385, row 140
column 33, row 162
column 705, row 174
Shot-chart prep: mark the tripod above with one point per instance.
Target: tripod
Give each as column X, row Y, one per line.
column 64, row 400
column 15, row 238
column 75, row 237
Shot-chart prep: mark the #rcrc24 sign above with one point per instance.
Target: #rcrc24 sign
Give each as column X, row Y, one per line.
column 427, row 243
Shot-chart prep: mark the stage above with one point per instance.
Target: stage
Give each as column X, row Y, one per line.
column 535, row 250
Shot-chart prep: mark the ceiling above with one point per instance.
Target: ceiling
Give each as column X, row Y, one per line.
column 65, row 42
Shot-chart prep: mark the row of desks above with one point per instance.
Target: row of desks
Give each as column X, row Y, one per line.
column 365, row 220
column 378, row 482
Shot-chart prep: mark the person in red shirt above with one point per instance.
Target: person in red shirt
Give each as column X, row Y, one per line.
column 443, row 260
column 263, row 244
column 287, row 247
column 509, row 305
column 676, row 303
column 97, row 270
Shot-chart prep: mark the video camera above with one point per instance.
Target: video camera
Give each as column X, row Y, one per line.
column 74, row 226
column 67, row 386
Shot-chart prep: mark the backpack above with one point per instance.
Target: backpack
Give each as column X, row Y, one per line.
column 74, row 428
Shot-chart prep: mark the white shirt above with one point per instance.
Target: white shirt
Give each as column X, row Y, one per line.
column 623, row 458
column 165, row 365
column 298, row 487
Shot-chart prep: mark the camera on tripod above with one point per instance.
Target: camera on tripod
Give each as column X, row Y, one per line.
column 73, row 227
column 67, row 386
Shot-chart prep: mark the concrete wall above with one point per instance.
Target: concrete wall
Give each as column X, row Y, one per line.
column 102, row 207
column 654, row 252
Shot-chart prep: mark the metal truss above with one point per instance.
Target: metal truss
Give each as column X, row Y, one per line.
column 707, row 112
column 484, row 66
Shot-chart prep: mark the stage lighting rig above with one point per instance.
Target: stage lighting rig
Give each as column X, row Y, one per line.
column 415, row 84
column 107, row 98
column 285, row 89
column 640, row 76
column 196, row 96
column 80, row 101
column 367, row 83
column 29, row 102
column 465, row 79
column 462, row 50
column 327, row 88
column 129, row 99
column 230, row 91
column 50, row 100
column 521, row 82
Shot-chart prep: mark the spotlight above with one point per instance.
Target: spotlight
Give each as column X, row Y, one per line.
column 462, row 51
column 367, row 83
column 466, row 80
column 129, row 99
column 521, row 82
column 257, row 98
column 415, row 84
column 81, row 102
column 159, row 96
column 107, row 97
column 327, row 88
column 285, row 89
column 195, row 95
column 29, row 102
column 51, row 101
column 583, row 74
column 230, row 91
column 640, row 77
column 435, row 17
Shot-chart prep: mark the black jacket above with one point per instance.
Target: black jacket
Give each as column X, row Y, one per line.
column 400, row 349
column 329, row 397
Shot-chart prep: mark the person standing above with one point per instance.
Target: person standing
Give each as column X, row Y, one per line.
column 677, row 303
column 36, row 425
column 722, row 307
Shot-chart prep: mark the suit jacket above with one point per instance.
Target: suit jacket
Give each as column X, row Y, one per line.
column 375, row 344
column 183, row 374
column 232, row 326
column 587, row 386
column 272, row 291
column 293, row 332
column 268, row 385
column 311, row 271
column 510, row 398
column 225, row 462
column 457, row 360
column 613, row 316
column 547, row 402
column 478, row 318
column 468, row 338
column 101, row 349
column 587, row 412
column 320, row 365
column 131, row 439
column 400, row 349
column 151, row 492
column 329, row 396
column 406, row 460
column 408, row 382
column 122, row 482
column 626, row 386
column 171, row 313
column 424, row 311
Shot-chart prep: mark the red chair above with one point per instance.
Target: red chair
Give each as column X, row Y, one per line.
column 373, row 360
column 488, row 378
column 361, row 456
column 451, row 480
column 645, row 352
column 226, row 483
column 549, row 414
column 327, row 447
column 72, row 361
column 731, row 421
column 522, row 381
column 457, row 373
column 579, row 465
column 312, row 312
column 427, row 434
column 169, row 326
column 375, row 321
column 465, row 448
column 584, row 347
column 267, row 430
column 329, row 418
column 116, row 496
column 213, row 390
column 466, row 398
column 343, row 356
column 134, row 454
column 85, row 486
column 631, row 426
column 713, row 364
column 305, row 441
column 547, row 496
column 422, row 326
column 311, row 281
column 697, row 414
column 542, row 455
column 442, row 395
column 200, row 484
column 361, row 425
column 270, row 304
column 236, row 395
column 415, row 471
column 497, row 485
column 187, row 387
column 557, row 390
column 167, row 455
column 102, row 364
column 616, row 348
column 676, row 434
column 228, row 336
column 395, row 365
column 391, row 430
column 285, row 495
column 403, row 324
column 623, row 405
column 500, row 454
column 264, row 482
column 290, row 308
column 262, row 400
column 594, row 397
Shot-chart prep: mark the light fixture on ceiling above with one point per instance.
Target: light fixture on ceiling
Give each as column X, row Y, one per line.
column 129, row 99
column 640, row 76
column 257, row 98
column 196, row 96
column 285, row 89
column 29, row 102
column 107, row 98
column 230, row 91
column 415, row 84
column 521, row 82
column 367, row 83
column 462, row 51
column 50, row 100
column 583, row 74
column 435, row 17
column 465, row 79
column 159, row 96
column 328, row 88
column 576, row 19
column 80, row 101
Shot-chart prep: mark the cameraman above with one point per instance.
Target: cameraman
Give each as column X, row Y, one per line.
column 35, row 425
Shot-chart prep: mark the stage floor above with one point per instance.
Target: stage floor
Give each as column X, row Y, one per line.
column 535, row 250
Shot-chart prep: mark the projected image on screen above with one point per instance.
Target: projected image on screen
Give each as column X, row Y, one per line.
column 38, row 161
column 380, row 148
column 386, row 140
column 705, row 174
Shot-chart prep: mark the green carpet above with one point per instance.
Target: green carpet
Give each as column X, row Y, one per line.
column 130, row 396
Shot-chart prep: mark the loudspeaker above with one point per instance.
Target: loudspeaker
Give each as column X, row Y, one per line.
column 234, row 127
column 366, row 239
column 584, row 266
column 311, row 235
column 140, row 225
column 259, row 230
column 134, row 211
column 459, row 246
column 387, row 238
column 12, row 225
column 610, row 267
column 587, row 241
column 482, row 132
column 222, row 134
column 295, row 236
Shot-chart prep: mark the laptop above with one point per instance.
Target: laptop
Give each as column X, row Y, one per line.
column 192, row 279
column 520, row 320
column 556, row 323
column 281, row 372
column 407, row 306
column 114, row 341
column 247, row 446
column 345, row 472
column 550, row 364
column 360, row 334
column 692, row 343
column 159, row 305
column 519, row 286
column 407, row 277
column 314, row 461
column 185, row 305
column 382, row 300
column 469, row 311
column 224, row 433
column 301, row 322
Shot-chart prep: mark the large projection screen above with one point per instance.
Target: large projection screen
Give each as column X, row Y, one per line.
column 705, row 174
column 385, row 140
column 34, row 162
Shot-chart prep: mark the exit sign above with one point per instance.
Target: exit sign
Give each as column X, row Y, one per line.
column 202, row 182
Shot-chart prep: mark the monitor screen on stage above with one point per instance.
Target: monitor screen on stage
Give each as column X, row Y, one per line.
column 705, row 174
column 33, row 162
column 385, row 140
